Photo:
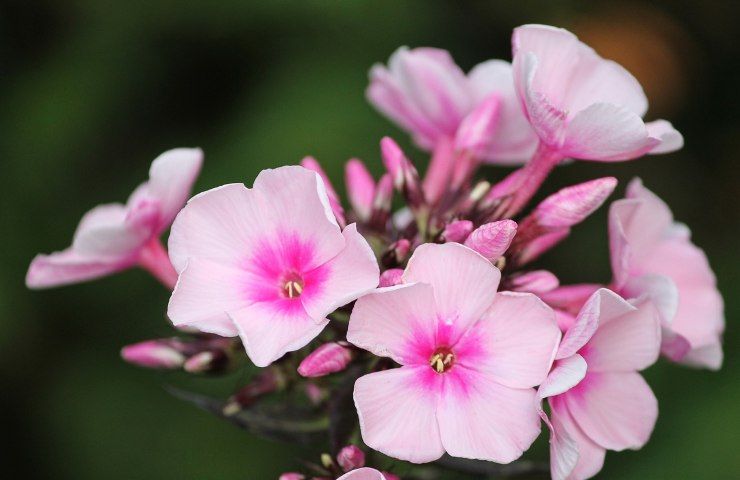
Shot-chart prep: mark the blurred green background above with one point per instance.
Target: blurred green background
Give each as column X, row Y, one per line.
column 92, row 90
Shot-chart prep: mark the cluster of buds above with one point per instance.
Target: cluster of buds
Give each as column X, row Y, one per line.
column 427, row 316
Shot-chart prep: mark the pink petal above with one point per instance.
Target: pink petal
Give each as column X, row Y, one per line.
column 672, row 345
column 390, row 277
column 353, row 272
column 360, row 188
column 464, row 282
column 573, row 455
column 334, row 200
column 269, row 330
column 171, row 178
column 476, row 130
column 569, row 297
column 565, row 374
column 397, row 414
column 66, row 267
column 440, row 170
column 520, row 337
column 709, row 356
column 616, row 410
column 391, row 321
column 364, row 473
column 606, row 132
column 670, row 138
column 205, row 292
column 660, row 290
column 602, row 305
column 535, row 281
column 472, row 428
column 103, row 233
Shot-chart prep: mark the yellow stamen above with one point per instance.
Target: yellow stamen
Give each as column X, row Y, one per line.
column 293, row 288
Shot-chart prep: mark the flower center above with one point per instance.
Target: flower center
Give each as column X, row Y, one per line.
column 442, row 360
column 293, row 287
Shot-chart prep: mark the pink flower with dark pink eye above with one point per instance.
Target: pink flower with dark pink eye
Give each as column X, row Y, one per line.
column 653, row 257
column 114, row 237
column 581, row 105
column 597, row 399
column 429, row 96
column 267, row 263
column 469, row 358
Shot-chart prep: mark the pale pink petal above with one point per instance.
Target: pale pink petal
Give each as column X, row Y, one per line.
column 171, row 178
column 204, row 294
column 565, row 374
column 364, row 473
column 476, row 130
column 573, row 455
column 569, row 298
column 388, row 321
column 440, row 170
column 709, row 356
column 353, row 272
column 600, row 306
column 617, row 410
column 397, row 414
column 221, row 225
column 360, row 188
column 486, row 420
column 334, row 201
column 66, row 267
column 269, row 330
column 670, row 138
column 673, row 345
column 520, row 337
column 103, row 233
column 660, row 290
column 535, row 281
column 606, row 132
column 464, row 282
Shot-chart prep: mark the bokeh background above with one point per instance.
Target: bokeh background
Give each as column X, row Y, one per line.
column 92, row 90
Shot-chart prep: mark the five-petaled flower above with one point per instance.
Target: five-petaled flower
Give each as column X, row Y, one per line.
column 653, row 256
column 267, row 263
column 469, row 356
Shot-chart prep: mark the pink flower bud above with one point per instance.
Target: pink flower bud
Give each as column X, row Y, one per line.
column 207, row 361
column 382, row 202
column 536, row 281
column 492, row 239
column 402, row 171
column 478, row 127
column 536, row 247
column 360, row 188
column 153, row 354
column 328, row 358
column 457, row 231
column 334, row 201
column 391, row 277
column 391, row 476
column 350, row 457
column 291, row 476
column 396, row 253
column 572, row 205
column 440, row 170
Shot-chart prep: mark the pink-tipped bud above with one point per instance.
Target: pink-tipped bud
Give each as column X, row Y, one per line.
column 351, row 457
column 207, row 362
column 536, row 247
column 492, row 239
column 457, row 231
column 153, row 354
column 477, row 128
column 391, row 277
column 536, row 281
column 334, row 201
column 360, row 188
column 572, row 205
column 440, row 170
column 328, row 358
column 396, row 253
column 291, row 476
column 382, row 202
column 394, row 160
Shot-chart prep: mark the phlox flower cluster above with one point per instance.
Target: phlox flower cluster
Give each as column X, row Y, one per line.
column 452, row 341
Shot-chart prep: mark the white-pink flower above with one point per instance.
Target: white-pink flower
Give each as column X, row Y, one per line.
column 581, row 105
column 653, row 256
column 267, row 263
column 114, row 237
column 597, row 399
column 469, row 358
column 429, row 96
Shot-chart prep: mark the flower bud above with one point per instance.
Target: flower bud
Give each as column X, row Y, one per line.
column 539, row 245
column 457, row 231
column 360, row 188
column 328, row 358
column 291, row 476
column 536, row 281
column 334, row 201
column 350, row 457
column 492, row 239
column 440, row 170
column 476, row 130
column 391, row 277
column 402, row 171
column 208, row 361
column 153, row 354
column 572, row 205
column 267, row 381
column 391, row 476
column 382, row 202
column 396, row 253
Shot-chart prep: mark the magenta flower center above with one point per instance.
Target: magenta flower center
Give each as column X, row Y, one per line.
column 292, row 286
column 442, row 360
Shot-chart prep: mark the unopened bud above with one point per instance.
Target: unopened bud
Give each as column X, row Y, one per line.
column 390, row 277
column 404, row 174
column 572, row 205
column 334, row 201
column 457, row 231
column 360, row 188
column 477, row 128
column 350, row 457
column 326, row 460
column 539, row 245
column 153, row 354
column 208, row 361
column 382, row 202
column 291, row 476
column 492, row 239
column 328, row 358
column 263, row 383
column 396, row 253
